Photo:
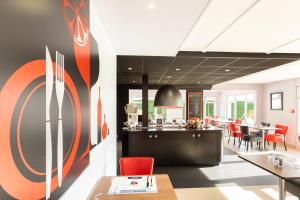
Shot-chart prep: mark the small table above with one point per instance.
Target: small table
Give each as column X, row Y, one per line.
column 283, row 173
column 164, row 188
column 263, row 129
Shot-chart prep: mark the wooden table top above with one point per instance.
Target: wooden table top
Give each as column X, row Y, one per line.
column 264, row 162
column 164, row 187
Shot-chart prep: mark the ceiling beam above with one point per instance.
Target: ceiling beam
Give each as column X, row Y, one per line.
column 230, row 25
column 196, row 21
column 282, row 45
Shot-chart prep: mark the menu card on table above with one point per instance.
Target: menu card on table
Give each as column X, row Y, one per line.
column 133, row 185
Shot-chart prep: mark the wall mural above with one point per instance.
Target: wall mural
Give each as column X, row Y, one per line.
column 47, row 70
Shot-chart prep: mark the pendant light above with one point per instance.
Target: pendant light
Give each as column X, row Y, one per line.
column 168, row 96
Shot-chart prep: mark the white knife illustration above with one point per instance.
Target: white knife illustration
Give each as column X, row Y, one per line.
column 49, row 87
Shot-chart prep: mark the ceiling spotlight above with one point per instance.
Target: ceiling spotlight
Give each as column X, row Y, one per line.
column 227, row 70
column 133, row 81
column 177, row 69
column 198, row 82
column 129, row 68
column 151, row 5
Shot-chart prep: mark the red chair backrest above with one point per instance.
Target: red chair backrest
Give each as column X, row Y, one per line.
column 136, row 166
column 206, row 120
column 238, row 121
column 232, row 127
column 283, row 129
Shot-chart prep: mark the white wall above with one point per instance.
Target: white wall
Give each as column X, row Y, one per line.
column 103, row 156
column 285, row 117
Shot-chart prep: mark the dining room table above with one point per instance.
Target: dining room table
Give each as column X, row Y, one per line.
column 165, row 190
column 263, row 130
column 285, row 172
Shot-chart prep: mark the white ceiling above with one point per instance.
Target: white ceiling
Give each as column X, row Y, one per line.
column 247, row 26
column 134, row 29
column 283, row 72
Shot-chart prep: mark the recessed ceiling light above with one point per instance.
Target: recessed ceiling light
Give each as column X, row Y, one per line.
column 227, row 70
column 151, row 5
column 198, row 82
column 177, row 69
column 129, row 68
column 168, row 76
column 133, row 81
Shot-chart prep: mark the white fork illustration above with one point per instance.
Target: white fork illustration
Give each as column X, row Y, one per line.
column 49, row 87
column 60, row 87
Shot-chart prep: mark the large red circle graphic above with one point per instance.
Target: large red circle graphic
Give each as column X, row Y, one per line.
column 26, row 163
column 10, row 93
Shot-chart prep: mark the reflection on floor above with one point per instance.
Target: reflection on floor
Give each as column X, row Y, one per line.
column 232, row 171
column 231, row 193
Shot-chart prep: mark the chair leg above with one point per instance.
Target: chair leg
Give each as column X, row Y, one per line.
column 247, row 145
column 234, row 141
column 259, row 146
column 284, row 145
column 240, row 143
column 229, row 139
column 274, row 146
column 251, row 144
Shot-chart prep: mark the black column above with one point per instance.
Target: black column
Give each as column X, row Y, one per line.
column 145, row 99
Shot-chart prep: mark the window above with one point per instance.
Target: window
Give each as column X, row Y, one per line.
column 242, row 106
column 209, row 106
column 135, row 97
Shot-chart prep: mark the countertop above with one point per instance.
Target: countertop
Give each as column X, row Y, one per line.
column 171, row 129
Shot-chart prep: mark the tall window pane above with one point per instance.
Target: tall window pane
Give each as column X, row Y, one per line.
column 240, row 109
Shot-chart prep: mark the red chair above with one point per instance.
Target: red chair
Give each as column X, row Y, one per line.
column 136, row 166
column 234, row 132
column 216, row 122
column 279, row 136
column 206, row 120
column 238, row 121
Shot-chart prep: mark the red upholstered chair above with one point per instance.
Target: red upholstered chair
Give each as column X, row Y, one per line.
column 238, row 121
column 136, row 166
column 279, row 136
column 206, row 120
column 216, row 122
column 234, row 132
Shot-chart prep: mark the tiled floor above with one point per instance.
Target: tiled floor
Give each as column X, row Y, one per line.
column 232, row 179
column 231, row 193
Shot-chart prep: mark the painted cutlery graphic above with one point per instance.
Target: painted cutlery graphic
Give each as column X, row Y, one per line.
column 49, row 87
column 60, row 87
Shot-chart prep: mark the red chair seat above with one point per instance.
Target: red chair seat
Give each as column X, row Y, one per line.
column 274, row 138
column 237, row 134
column 136, row 166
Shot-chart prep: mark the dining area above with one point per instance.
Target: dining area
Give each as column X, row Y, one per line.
column 258, row 136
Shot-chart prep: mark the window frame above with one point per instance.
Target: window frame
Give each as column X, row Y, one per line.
column 234, row 99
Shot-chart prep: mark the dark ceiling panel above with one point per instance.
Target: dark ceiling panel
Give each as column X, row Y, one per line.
column 202, row 69
column 124, row 62
column 216, row 62
column 150, row 61
column 246, row 62
column 208, row 68
column 251, row 70
column 182, row 61
column 231, row 70
column 274, row 63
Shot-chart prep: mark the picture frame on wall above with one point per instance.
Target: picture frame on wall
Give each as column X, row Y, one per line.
column 276, row 101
